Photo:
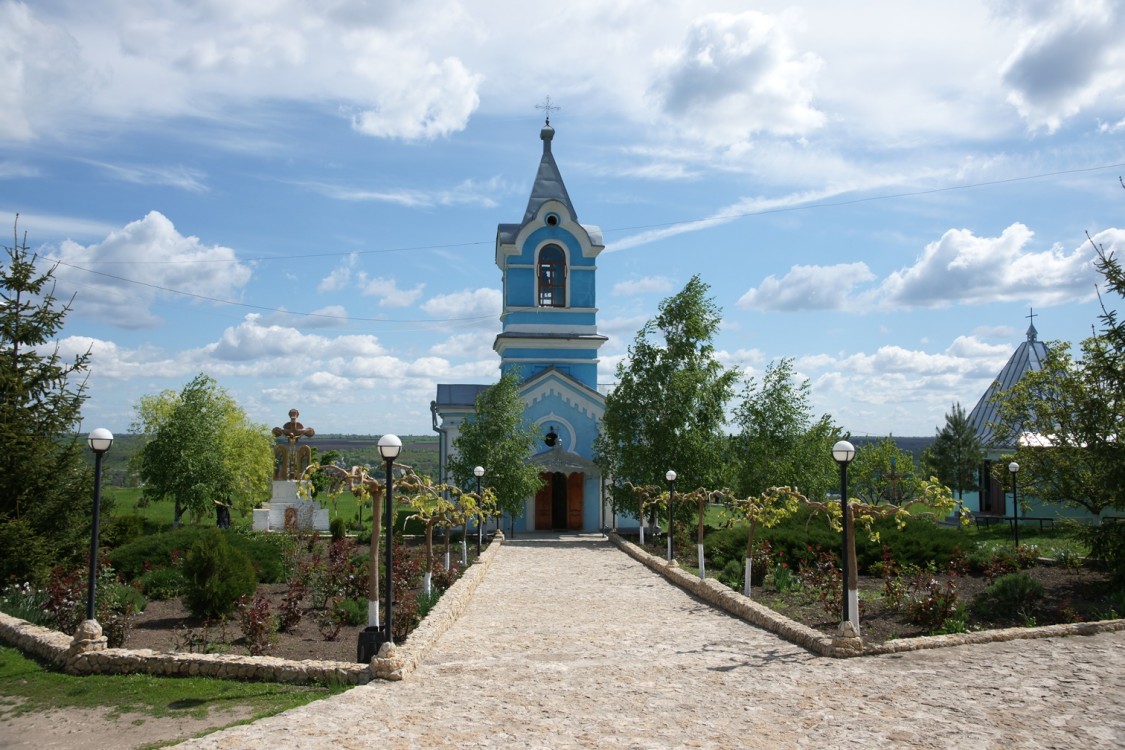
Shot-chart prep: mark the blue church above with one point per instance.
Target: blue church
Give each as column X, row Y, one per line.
column 549, row 337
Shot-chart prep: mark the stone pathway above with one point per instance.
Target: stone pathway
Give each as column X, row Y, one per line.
column 570, row 643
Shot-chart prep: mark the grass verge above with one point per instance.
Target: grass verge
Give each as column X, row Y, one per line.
column 26, row 686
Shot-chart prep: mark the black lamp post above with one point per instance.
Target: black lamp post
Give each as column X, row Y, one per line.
column 1014, row 469
column 99, row 441
column 372, row 638
column 844, row 452
column 478, row 472
column 671, row 477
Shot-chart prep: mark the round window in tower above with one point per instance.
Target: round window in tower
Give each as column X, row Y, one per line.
column 552, row 220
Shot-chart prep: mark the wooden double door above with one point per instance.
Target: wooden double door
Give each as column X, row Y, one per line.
column 558, row 504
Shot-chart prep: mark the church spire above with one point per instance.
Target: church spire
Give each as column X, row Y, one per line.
column 548, row 180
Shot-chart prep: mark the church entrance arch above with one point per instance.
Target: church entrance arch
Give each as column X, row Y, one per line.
column 559, row 502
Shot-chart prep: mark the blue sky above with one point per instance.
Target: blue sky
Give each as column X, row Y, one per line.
column 301, row 198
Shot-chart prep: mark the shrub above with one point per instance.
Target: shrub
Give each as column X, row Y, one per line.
column 1010, row 597
column 920, row 542
column 426, row 602
column 781, row 579
column 732, row 572
column 1107, row 548
column 122, row 530
column 352, row 612
column 931, row 604
column 259, row 627
column 24, row 601
column 156, row 550
column 160, row 584
column 66, row 599
column 291, row 611
column 337, row 528
column 217, row 575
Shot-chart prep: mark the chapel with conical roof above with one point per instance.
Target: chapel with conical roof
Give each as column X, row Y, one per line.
column 985, row 417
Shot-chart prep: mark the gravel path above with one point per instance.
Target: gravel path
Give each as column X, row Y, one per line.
column 570, row 643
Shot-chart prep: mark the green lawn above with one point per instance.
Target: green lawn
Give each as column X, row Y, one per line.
column 1063, row 538
column 159, row 514
column 28, row 687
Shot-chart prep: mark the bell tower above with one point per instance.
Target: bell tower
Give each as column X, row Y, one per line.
column 549, row 263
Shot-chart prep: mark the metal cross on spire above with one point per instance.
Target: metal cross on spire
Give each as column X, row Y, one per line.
column 547, row 107
column 1031, row 332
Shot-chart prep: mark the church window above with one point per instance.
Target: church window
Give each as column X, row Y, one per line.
column 551, row 272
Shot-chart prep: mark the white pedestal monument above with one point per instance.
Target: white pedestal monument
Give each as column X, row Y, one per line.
column 285, row 508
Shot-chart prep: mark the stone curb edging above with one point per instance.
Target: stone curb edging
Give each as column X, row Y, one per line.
column 403, row 660
column 733, row 602
column 85, row 653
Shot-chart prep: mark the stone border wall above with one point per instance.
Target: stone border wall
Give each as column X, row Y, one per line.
column 85, row 653
column 733, row 602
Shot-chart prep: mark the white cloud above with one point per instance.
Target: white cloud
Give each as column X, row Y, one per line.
column 340, row 276
column 1069, row 57
column 643, row 285
column 42, row 74
column 808, row 288
column 388, row 292
column 739, row 74
column 124, row 274
column 959, row 268
column 181, row 177
column 964, row 268
column 422, row 99
column 279, row 347
column 482, row 304
column 473, row 345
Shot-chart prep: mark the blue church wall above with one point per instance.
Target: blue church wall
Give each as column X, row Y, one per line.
column 1036, row 508
column 585, row 374
column 550, row 316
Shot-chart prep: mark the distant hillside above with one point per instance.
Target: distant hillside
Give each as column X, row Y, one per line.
column 418, row 451
column 913, row 444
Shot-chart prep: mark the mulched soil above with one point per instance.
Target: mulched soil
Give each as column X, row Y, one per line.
column 1070, row 596
column 168, row 626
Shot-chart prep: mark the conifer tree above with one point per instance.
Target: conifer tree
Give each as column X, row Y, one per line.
column 955, row 454
column 45, row 485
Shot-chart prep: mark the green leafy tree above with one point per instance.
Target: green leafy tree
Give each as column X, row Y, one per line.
column 955, row 454
column 202, row 449
column 1066, row 421
column 883, row 473
column 779, row 445
column 46, row 491
column 668, row 409
column 498, row 438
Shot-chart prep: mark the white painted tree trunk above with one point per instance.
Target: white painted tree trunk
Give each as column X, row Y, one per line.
column 702, row 563
column 746, row 582
column 447, row 559
column 669, row 546
column 372, row 613
column 428, row 583
column 642, row 528
column 464, row 553
column 853, row 608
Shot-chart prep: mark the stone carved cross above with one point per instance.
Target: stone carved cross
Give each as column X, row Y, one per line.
column 290, row 457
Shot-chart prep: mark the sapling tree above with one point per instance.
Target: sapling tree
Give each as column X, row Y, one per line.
column 766, row 510
column 930, row 496
column 363, row 485
column 432, row 507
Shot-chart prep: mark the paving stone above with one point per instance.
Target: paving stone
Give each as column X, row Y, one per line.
column 568, row 642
